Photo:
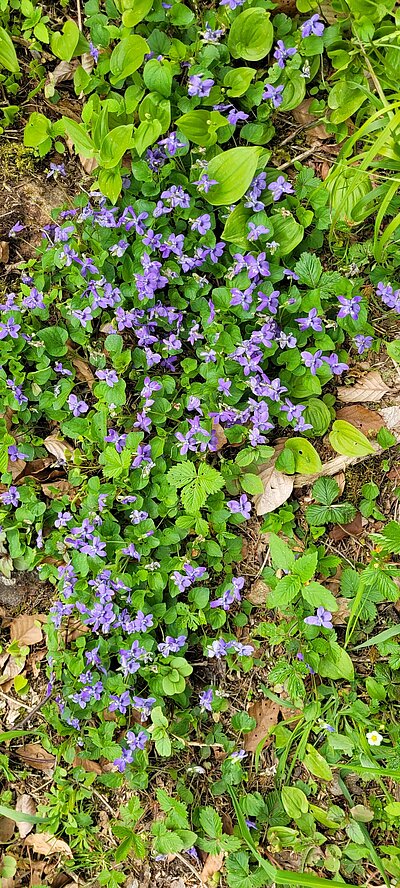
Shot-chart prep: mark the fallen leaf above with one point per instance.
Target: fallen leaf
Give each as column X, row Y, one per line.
column 25, row 805
column 13, row 667
column 221, row 438
column 213, row 864
column 83, row 370
column 258, row 593
column 36, row 757
column 367, row 421
column 394, row 474
column 87, row 765
column 370, row 388
column 4, row 251
column 27, row 629
column 277, row 489
column 302, row 116
column 391, row 416
column 87, row 62
column 340, row 479
column 63, row 71
column 266, row 713
column 340, row 617
column 58, row 448
column 16, row 468
column 45, row 844
column 7, row 827
column 88, row 164
column 59, row 488
column 353, row 528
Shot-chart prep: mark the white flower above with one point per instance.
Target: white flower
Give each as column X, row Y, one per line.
column 374, row 738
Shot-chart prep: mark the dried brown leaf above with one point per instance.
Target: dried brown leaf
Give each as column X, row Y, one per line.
column 7, row 827
column 258, row 593
column 221, row 438
column 213, row 864
column 87, row 765
column 58, row 448
column 25, row 805
column 27, row 629
column 58, row 488
column 340, row 479
column 63, row 71
column 87, row 62
column 83, row 370
column 353, row 528
column 302, row 116
column 391, row 416
column 4, row 251
column 340, row 617
column 13, row 667
column 36, row 757
column 367, row 421
column 370, row 388
column 266, row 713
column 16, row 468
column 88, row 164
column 45, row 844
column 277, row 489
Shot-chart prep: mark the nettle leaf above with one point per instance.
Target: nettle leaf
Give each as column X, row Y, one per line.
column 307, row 461
column 282, row 556
column 233, row 170
column 339, row 513
column 305, row 566
column 309, row 269
column 251, row 35
column 318, row 596
column 346, row 439
column 286, row 590
column 211, row 822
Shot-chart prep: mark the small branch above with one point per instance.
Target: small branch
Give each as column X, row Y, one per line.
column 302, row 156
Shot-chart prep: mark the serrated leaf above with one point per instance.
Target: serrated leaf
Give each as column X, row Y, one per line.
column 211, row 822
column 318, row 596
column 325, row 490
column 181, row 474
column 281, row 554
column 286, row 590
column 305, row 566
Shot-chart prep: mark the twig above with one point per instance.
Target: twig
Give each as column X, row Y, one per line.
column 189, row 866
column 32, row 712
column 12, row 700
column 302, row 156
column 104, row 802
column 78, row 9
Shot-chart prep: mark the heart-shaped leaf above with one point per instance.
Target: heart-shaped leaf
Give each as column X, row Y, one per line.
column 233, row 171
column 306, row 458
column 348, row 440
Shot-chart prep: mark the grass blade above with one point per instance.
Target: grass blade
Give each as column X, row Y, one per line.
column 19, row 816
column 379, row 638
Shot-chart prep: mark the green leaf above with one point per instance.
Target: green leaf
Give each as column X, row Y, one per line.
column 288, row 233
column 393, row 809
column 252, row 484
column 307, row 461
column 180, row 475
column 114, row 145
column 238, row 81
column 294, row 90
column 201, row 126
column 54, row 339
column 305, row 566
column 238, row 872
column 19, row 816
column 138, row 11
column 211, row 822
column 8, row 56
column 158, row 77
column 286, row 590
column 110, row 183
column 146, row 134
column 393, row 350
column 309, row 269
column 325, row 490
column 235, row 230
column 233, row 170
column 64, row 44
column 128, row 56
column 294, row 801
column 319, row 417
column 316, row 764
column 282, row 556
column 80, row 138
column 346, row 439
column 251, row 35
column 347, row 185
column 336, row 664
column 318, row 596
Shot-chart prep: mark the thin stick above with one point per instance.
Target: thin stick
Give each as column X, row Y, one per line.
column 78, row 9
column 302, row 156
column 32, row 712
column 104, row 802
column 189, row 866
column 12, row 700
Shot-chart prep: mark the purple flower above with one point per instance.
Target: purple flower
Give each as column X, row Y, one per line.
column 113, row 437
column 234, row 116
column 322, row 618
column 131, row 551
column 171, row 645
column 55, row 169
column 230, row 595
column 224, row 386
column 362, row 343
column 94, row 52
column 199, row 87
column 16, row 229
column 109, row 376
column 312, row 361
column 9, row 328
column 77, row 407
column 238, row 756
column 84, row 316
column 206, row 700
column 274, row 94
column 314, row 26
column 282, row 53
column 119, row 248
column 280, row 187
column 204, row 183
column 10, row 497
column 350, row 307
column 334, row 364
column 256, row 231
column 63, row 371
column 310, row 321
column 219, row 648
column 202, row 224
column 240, row 507
column 14, row 453
column 233, row 4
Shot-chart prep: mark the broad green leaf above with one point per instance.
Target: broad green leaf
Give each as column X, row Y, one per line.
column 307, row 461
column 158, row 77
column 114, row 145
column 393, row 350
column 181, row 474
column 201, row 126
column 251, row 35
column 286, row 590
column 252, row 484
column 236, row 228
column 305, row 566
column 288, row 234
column 294, row 90
column 8, row 56
column 316, row 764
column 146, row 134
column 294, row 801
column 80, row 138
column 233, row 170
column 135, row 11
column 128, row 56
column 238, row 81
column 64, row 43
column 318, row 596
column 336, row 664
column 346, row 439
column 281, row 554
column 110, row 183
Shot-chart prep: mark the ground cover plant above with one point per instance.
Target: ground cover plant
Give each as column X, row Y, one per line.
column 176, row 346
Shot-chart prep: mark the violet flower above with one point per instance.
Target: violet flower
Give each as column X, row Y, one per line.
column 282, row 53
column 199, row 87
column 76, row 406
column 274, row 94
column 322, row 618
column 314, row 26
column 280, row 187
